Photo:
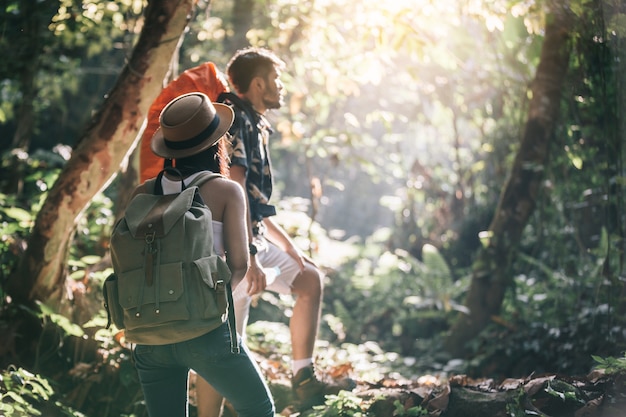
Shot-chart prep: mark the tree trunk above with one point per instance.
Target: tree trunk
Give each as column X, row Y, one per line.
column 243, row 13
column 35, row 17
column 35, row 20
column 490, row 271
column 98, row 155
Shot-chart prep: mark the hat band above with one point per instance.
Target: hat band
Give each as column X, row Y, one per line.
column 196, row 140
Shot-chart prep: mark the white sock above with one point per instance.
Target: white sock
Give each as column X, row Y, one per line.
column 298, row 364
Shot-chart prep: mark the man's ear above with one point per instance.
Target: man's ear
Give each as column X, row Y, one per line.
column 259, row 83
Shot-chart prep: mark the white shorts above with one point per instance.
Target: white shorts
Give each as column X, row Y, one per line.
column 281, row 271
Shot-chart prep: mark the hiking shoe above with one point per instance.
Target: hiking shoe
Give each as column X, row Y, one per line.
column 310, row 391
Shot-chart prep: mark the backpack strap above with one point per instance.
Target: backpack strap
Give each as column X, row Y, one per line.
column 155, row 186
column 158, row 185
column 203, row 177
column 232, row 324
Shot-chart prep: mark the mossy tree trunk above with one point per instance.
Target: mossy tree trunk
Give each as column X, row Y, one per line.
column 490, row 272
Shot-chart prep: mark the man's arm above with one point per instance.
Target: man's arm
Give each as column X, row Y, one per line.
column 278, row 236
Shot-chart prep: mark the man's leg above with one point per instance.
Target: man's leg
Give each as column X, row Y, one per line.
column 209, row 401
column 307, row 289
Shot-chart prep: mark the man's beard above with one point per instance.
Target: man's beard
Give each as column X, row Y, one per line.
column 273, row 104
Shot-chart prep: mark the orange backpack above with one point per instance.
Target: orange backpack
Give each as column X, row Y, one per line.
column 204, row 78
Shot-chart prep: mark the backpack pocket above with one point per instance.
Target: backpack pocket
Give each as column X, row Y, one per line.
column 115, row 313
column 213, row 269
column 215, row 276
column 153, row 305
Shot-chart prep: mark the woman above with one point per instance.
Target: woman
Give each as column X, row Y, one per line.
column 190, row 135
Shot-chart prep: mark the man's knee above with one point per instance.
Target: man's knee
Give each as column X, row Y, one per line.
column 309, row 282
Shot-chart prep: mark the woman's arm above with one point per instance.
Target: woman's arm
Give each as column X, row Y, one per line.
column 256, row 276
column 235, row 231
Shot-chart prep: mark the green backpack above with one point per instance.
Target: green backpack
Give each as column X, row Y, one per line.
column 168, row 284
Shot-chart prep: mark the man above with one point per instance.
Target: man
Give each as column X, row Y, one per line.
column 254, row 74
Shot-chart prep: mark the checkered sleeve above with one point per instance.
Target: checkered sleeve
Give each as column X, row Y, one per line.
column 236, row 145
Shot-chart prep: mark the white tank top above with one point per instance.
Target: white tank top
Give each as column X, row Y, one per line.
column 172, row 187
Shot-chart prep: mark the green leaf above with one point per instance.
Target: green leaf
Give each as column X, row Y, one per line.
column 15, row 397
column 61, row 321
column 18, row 214
column 91, row 259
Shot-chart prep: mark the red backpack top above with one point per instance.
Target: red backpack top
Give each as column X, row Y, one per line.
column 204, row 78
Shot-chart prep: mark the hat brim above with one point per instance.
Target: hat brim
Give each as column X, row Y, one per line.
column 158, row 146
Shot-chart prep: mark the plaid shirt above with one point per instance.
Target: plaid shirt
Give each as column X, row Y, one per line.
column 254, row 157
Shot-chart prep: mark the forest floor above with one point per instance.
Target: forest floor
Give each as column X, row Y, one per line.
column 594, row 395
column 386, row 385
column 102, row 382
column 384, row 392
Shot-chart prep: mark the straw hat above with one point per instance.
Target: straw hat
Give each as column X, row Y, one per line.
column 190, row 124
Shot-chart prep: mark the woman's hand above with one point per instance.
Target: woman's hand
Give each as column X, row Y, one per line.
column 255, row 277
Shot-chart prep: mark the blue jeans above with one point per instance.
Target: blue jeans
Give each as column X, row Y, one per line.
column 163, row 372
